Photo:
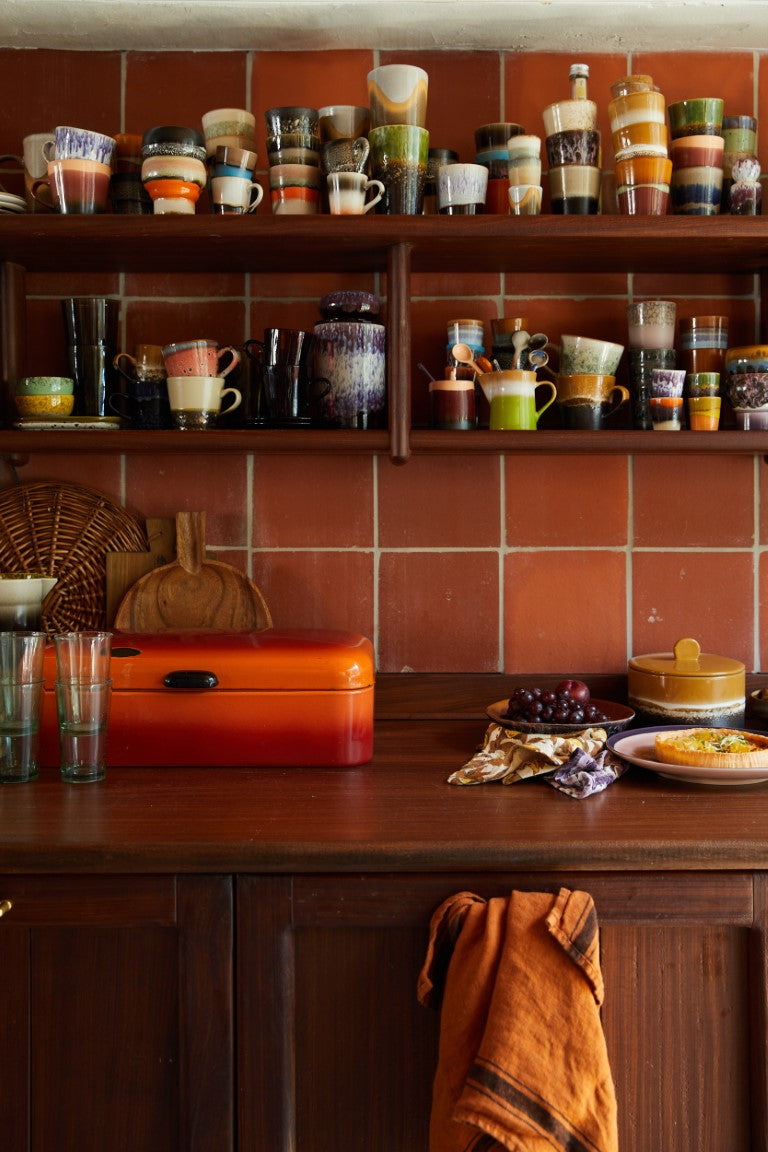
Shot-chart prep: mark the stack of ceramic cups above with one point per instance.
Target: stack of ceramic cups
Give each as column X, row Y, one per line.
column 696, row 150
column 573, row 149
column 491, row 150
column 399, row 140
column 740, row 150
column 640, row 144
column 344, row 148
column 703, row 345
column 229, row 128
column 293, row 151
column 524, row 175
column 651, row 342
column 173, row 168
column 233, row 189
column 79, row 170
column 436, row 158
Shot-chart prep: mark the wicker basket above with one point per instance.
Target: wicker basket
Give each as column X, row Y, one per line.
column 65, row 530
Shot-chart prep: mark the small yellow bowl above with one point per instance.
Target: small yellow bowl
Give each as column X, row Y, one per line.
column 46, row 404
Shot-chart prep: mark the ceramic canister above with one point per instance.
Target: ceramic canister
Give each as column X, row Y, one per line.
column 687, row 686
column 351, row 355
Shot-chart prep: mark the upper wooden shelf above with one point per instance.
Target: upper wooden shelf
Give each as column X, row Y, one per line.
column 437, row 243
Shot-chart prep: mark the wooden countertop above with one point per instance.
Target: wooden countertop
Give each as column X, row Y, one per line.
column 396, row 814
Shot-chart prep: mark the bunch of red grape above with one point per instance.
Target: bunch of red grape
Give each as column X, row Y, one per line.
column 568, row 703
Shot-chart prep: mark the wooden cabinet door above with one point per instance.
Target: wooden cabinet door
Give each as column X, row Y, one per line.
column 116, row 1014
column 335, row 1052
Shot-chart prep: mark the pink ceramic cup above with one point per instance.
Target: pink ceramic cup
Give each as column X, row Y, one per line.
column 199, row 358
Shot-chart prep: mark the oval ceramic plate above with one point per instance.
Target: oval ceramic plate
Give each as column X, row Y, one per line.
column 619, row 716
column 638, row 748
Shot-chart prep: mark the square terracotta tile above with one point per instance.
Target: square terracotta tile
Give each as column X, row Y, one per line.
column 160, row 89
column 213, row 483
column 101, row 472
column 565, row 611
column 456, row 107
column 315, row 501
column 438, row 612
column 693, row 501
column 73, row 284
column 317, row 589
column 681, row 75
column 45, row 87
column 432, row 503
column 169, row 322
column 275, row 285
column 706, row 595
column 574, row 501
column 181, row 285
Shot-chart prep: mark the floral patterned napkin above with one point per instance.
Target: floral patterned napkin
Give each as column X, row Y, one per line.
column 579, row 765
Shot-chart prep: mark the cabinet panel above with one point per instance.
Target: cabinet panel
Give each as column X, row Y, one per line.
column 331, row 963
column 118, row 1019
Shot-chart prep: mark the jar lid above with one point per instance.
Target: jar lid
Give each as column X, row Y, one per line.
column 348, row 304
column 687, row 659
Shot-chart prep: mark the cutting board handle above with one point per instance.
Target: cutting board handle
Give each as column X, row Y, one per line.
column 190, row 540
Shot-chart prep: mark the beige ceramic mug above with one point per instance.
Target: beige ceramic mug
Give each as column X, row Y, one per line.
column 196, row 401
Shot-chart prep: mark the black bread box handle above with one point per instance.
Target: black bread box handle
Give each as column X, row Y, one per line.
column 191, row 680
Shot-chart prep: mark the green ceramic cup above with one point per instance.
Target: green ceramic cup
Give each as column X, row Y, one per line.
column 398, row 158
column 702, row 116
column 44, row 386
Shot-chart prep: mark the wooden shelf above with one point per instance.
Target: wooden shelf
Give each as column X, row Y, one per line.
column 397, row 246
column 437, row 243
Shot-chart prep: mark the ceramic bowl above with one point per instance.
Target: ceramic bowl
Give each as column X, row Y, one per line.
column 291, row 118
column 748, row 358
column 186, row 168
column 576, row 146
column 44, row 404
column 583, row 354
column 757, row 705
column 644, row 137
column 44, row 386
column 696, row 151
column 748, row 389
column 619, row 718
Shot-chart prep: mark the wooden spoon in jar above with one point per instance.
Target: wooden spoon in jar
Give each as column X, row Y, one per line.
column 463, row 353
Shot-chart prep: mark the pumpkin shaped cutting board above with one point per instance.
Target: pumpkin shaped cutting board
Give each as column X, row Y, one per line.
column 192, row 594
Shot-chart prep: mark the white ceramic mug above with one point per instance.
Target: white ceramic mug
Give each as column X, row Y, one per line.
column 235, row 195
column 347, row 192
column 196, row 400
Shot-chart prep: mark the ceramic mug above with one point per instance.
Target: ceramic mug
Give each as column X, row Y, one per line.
column 347, row 192
column 74, row 186
column 512, row 398
column 147, row 364
column 199, row 358
column 70, row 143
column 196, row 401
column 235, row 195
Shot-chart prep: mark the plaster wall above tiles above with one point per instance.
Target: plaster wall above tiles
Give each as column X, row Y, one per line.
column 574, row 26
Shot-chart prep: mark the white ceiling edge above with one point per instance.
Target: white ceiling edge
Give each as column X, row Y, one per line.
column 576, row 26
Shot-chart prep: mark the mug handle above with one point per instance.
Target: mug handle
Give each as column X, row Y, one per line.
column 550, row 385
column 258, row 355
column 115, row 400
column 360, row 150
column 230, row 392
column 373, row 184
column 48, row 149
column 42, row 182
column 233, row 362
column 121, row 370
column 258, row 196
column 623, row 398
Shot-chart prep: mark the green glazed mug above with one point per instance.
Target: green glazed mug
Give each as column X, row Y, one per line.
column 512, row 398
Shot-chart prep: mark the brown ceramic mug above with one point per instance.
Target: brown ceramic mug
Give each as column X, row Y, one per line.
column 586, row 400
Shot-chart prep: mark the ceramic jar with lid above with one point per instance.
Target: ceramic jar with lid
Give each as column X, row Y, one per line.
column 687, row 686
column 349, row 360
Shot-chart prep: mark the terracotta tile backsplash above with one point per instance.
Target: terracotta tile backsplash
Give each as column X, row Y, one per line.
column 476, row 563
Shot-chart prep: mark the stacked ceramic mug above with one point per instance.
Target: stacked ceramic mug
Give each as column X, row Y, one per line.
column 573, row 149
column 640, row 145
column 740, row 167
column 491, row 151
column 524, row 175
column 173, row 168
column 651, row 341
column 696, row 150
column 399, row 140
column 293, row 151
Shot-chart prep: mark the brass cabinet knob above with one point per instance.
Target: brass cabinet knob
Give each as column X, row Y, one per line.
column 5, row 906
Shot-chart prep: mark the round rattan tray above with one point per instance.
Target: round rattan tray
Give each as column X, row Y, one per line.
column 65, row 530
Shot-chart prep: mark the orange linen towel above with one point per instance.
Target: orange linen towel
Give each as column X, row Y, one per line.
column 522, row 1062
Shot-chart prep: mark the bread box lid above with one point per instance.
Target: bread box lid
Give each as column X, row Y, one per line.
column 686, row 660
column 275, row 659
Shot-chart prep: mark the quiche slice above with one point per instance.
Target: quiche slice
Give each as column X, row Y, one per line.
column 712, row 748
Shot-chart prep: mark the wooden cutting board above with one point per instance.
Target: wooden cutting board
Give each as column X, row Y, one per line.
column 192, row 594
column 125, row 568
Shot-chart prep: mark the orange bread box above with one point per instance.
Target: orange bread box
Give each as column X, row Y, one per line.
column 280, row 697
